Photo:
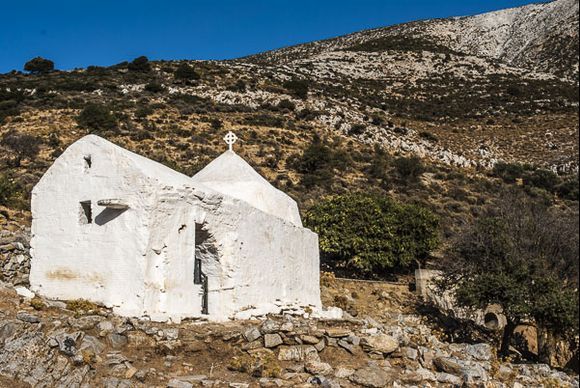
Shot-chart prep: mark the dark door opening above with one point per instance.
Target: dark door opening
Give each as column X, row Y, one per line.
column 202, row 248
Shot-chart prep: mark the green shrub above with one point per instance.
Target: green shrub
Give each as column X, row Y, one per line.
column 409, row 168
column 186, row 72
column 509, row 172
column 96, row 117
column 39, row 65
column 543, row 179
column 372, row 233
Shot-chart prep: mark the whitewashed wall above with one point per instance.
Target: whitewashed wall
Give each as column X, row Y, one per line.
column 103, row 263
column 142, row 261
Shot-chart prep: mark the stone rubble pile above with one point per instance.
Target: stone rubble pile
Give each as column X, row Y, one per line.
column 52, row 347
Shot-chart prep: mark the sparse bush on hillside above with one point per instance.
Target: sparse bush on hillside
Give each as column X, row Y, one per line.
column 186, row 72
column 543, row 179
column 357, row 129
column 139, row 64
column 9, row 101
column 96, row 118
column 318, row 162
column 372, row 234
column 8, row 190
column 239, row 86
column 265, row 120
column 154, row 87
column 428, row 136
column 569, row 189
column 509, row 172
column 286, row 104
column 298, row 88
column 39, row 65
column 23, row 146
column 379, row 166
column 409, row 168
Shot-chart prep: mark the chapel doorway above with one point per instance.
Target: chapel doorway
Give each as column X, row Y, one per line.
column 205, row 253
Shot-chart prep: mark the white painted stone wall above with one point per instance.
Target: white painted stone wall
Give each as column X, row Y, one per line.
column 141, row 261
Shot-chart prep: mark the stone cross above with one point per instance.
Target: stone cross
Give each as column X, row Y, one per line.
column 230, row 138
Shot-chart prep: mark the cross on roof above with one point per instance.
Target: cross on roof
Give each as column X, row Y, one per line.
column 230, row 138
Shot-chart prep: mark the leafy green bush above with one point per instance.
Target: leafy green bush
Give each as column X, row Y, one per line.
column 372, row 233
column 186, row 72
column 39, row 65
column 96, row 117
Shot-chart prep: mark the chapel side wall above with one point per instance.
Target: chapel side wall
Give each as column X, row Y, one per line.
column 100, row 261
column 169, row 288
column 264, row 258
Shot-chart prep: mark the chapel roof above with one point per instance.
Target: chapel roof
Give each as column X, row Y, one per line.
column 231, row 175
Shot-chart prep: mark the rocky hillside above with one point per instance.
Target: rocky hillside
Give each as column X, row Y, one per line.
column 541, row 37
column 373, row 98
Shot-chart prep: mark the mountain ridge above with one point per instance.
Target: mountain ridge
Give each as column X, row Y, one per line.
column 502, row 30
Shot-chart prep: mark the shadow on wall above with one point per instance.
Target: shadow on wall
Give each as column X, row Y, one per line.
column 108, row 214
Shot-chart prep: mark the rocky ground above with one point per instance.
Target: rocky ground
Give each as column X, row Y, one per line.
column 384, row 341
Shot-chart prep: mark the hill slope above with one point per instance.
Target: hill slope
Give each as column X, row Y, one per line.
column 403, row 89
column 541, row 37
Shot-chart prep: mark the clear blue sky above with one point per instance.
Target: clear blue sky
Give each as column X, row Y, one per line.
column 78, row 33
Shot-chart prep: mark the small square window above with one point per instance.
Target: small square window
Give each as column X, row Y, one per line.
column 85, row 213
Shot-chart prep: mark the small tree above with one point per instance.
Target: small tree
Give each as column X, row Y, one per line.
column 372, row 234
column 523, row 256
column 140, row 64
column 39, row 65
column 96, row 117
column 23, row 145
column 186, row 72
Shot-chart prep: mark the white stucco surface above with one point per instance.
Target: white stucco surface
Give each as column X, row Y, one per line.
column 231, row 175
column 137, row 255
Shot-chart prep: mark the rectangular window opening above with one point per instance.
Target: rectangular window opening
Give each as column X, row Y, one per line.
column 85, row 213
column 88, row 162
